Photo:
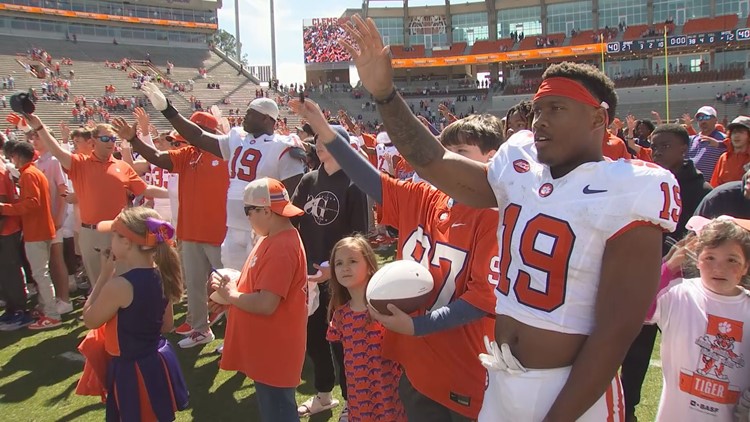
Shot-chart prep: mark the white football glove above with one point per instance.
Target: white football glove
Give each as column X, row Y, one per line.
column 500, row 358
column 155, row 95
column 742, row 410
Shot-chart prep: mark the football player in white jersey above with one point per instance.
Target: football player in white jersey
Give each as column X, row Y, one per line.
column 580, row 238
column 253, row 151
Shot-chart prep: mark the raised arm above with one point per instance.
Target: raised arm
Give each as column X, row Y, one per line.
column 63, row 155
column 189, row 130
column 151, row 154
column 461, row 178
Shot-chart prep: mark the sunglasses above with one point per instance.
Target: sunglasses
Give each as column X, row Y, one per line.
column 105, row 138
column 249, row 208
column 703, row 117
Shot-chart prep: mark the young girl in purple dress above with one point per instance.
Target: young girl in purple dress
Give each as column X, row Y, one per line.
column 132, row 300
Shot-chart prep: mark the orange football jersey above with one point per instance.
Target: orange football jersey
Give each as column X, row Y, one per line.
column 458, row 244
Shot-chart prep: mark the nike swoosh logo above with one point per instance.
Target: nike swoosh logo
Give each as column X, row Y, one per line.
column 457, row 225
column 587, row 190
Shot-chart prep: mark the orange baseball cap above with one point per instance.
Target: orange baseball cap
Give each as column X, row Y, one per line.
column 267, row 192
column 204, row 119
column 176, row 137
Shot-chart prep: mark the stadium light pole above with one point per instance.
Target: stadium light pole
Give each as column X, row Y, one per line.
column 273, row 44
column 238, row 47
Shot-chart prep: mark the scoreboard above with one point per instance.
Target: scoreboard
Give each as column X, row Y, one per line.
column 674, row 41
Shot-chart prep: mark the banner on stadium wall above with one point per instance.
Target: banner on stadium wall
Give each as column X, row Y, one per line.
column 427, row 25
column 510, row 56
column 103, row 17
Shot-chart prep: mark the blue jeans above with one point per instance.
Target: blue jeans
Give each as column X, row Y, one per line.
column 276, row 404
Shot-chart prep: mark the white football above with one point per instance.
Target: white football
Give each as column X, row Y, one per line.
column 233, row 275
column 404, row 283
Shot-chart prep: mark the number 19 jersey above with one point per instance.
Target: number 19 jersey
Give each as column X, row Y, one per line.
column 553, row 232
column 253, row 158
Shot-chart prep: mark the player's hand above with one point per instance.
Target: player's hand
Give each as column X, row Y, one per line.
column 399, row 322
column 500, row 358
column 311, row 112
column 710, row 140
column 154, row 94
column 323, row 275
column 123, row 129
column 143, row 120
column 64, row 132
column 372, row 59
column 657, row 117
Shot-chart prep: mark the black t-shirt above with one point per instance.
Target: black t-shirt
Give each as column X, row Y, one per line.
column 334, row 208
column 726, row 199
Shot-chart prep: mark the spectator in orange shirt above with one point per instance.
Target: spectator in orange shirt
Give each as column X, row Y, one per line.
column 38, row 229
column 637, row 144
column 11, row 283
column 733, row 164
column 102, row 184
column 268, row 302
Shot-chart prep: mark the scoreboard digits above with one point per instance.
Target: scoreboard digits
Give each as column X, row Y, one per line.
column 679, row 41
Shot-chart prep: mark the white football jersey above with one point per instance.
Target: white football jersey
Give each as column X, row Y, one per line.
column 252, row 158
column 159, row 177
column 553, row 231
column 385, row 154
column 703, row 351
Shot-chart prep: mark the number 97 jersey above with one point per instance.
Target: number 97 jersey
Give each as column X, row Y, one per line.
column 553, row 232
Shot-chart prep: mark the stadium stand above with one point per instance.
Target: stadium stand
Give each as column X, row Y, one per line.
column 457, row 49
column 718, row 23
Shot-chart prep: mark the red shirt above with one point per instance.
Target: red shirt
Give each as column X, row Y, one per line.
column 8, row 224
column 33, row 205
column 615, row 148
column 459, row 246
column 731, row 167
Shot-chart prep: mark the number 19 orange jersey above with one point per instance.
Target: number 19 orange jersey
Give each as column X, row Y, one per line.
column 458, row 244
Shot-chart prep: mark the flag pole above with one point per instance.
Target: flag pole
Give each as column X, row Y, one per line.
column 601, row 46
column 666, row 71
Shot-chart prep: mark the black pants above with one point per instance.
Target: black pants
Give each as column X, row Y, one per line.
column 420, row 408
column 72, row 261
column 635, row 366
column 11, row 278
column 321, row 352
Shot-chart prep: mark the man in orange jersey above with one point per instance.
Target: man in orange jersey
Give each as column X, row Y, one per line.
column 12, row 291
column 443, row 379
column 38, row 229
column 201, row 217
column 101, row 183
column 267, row 311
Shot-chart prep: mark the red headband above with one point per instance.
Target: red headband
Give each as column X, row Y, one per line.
column 564, row 87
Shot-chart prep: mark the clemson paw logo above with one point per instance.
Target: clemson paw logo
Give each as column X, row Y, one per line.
column 545, row 190
column 521, row 166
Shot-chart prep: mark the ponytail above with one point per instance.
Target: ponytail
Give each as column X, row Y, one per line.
column 168, row 265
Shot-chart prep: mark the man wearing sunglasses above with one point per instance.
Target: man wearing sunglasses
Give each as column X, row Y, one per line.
column 102, row 184
column 253, row 151
column 201, row 215
column 707, row 146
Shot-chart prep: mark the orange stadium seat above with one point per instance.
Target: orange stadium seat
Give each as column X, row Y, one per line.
column 399, row 52
column 457, row 49
column 583, row 37
column 484, row 46
column 634, row 32
column 719, row 23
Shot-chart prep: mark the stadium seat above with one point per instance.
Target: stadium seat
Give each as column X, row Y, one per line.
column 719, row 23
column 457, row 49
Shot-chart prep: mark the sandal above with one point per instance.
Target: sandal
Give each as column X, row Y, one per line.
column 313, row 405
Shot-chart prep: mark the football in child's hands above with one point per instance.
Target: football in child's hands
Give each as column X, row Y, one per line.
column 233, row 275
column 404, row 283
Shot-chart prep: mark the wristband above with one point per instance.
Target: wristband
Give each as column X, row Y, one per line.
column 170, row 111
column 387, row 99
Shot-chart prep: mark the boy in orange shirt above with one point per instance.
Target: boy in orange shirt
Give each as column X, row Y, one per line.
column 268, row 302
column 38, row 229
column 733, row 164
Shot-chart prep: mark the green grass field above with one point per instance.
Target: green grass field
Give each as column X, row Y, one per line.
column 37, row 381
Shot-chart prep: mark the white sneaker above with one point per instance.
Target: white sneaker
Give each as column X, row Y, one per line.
column 63, row 307
column 195, row 338
column 220, row 348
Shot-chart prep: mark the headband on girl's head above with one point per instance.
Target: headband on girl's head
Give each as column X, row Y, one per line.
column 157, row 231
column 564, row 87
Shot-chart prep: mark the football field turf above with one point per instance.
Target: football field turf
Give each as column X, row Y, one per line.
column 38, row 376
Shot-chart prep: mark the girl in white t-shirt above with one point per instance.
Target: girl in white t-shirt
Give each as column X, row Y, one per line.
column 704, row 340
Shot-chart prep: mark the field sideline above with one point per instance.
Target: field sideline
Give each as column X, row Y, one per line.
column 38, row 376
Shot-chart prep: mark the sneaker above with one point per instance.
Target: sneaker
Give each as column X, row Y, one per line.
column 19, row 320
column 6, row 317
column 214, row 317
column 45, row 322
column 84, row 285
column 196, row 338
column 219, row 349
column 63, row 307
column 184, row 329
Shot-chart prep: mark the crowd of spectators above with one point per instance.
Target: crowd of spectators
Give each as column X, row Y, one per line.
column 321, row 43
